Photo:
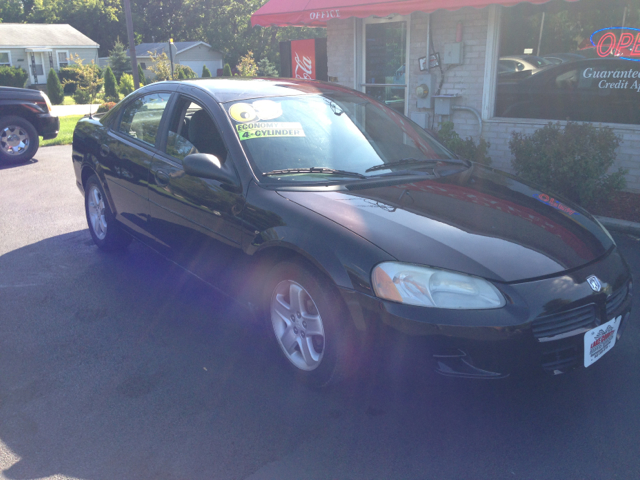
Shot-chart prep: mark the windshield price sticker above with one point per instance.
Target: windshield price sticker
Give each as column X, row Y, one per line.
column 600, row 340
column 247, row 131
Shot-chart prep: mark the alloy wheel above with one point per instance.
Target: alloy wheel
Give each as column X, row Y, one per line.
column 14, row 140
column 298, row 325
column 95, row 209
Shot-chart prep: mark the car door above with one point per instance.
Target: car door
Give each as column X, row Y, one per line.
column 195, row 220
column 126, row 154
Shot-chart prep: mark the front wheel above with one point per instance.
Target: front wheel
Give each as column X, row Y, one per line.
column 310, row 324
column 19, row 140
column 105, row 231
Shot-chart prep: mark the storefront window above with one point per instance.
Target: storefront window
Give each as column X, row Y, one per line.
column 570, row 61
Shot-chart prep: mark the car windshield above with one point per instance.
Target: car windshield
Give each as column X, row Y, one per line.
column 334, row 136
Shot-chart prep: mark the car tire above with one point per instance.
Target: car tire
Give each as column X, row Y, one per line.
column 310, row 324
column 104, row 229
column 19, row 140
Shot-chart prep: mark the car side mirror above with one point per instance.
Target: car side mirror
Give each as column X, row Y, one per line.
column 205, row 165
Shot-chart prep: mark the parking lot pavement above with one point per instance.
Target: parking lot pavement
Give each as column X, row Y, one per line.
column 121, row 366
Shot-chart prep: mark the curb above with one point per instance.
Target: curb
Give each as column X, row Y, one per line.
column 622, row 226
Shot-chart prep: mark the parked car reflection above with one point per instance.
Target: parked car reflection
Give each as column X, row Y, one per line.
column 594, row 90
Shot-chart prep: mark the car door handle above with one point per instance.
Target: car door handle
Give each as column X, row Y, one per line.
column 104, row 150
column 162, row 178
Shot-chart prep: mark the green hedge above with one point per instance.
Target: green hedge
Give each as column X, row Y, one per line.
column 13, row 76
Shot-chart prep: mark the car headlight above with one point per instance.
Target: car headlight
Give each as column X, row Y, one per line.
column 432, row 287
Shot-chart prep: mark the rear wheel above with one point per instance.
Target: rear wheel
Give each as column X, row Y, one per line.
column 19, row 140
column 105, row 231
column 311, row 326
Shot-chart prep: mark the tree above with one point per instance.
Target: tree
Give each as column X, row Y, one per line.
column 247, row 66
column 54, row 88
column 184, row 72
column 110, row 86
column 118, row 59
column 160, row 66
column 266, row 68
column 226, row 71
column 181, row 75
column 88, row 80
column 206, row 73
column 126, row 84
column 143, row 79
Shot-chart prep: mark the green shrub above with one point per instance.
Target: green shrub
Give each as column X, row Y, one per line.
column 226, row 71
column 105, row 107
column 464, row 148
column 118, row 60
column 266, row 68
column 206, row 73
column 12, row 76
column 126, row 84
column 183, row 72
column 141, row 77
column 573, row 161
column 110, row 86
column 54, row 88
column 69, row 78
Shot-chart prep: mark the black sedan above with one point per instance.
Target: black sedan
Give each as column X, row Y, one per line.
column 334, row 218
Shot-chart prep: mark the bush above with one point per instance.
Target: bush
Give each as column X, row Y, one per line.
column 88, row 80
column 126, row 84
column 105, row 107
column 206, row 73
column 573, row 161
column 12, row 76
column 141, row 77
column 226, row 71
column 110, row 86
column 54, row 88
column 183, row 72
column 69, row 78
column 464, row 148
column 118, row 60
column 266, row 68
column 247, row 66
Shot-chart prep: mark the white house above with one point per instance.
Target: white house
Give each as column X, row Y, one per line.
column 37, row 48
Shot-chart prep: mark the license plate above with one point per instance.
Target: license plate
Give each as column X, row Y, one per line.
column 600, row 340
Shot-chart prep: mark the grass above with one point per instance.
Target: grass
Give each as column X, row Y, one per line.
column 65, row 135
column 68, row 100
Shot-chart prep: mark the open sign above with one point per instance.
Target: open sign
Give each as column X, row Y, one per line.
column 622, row 42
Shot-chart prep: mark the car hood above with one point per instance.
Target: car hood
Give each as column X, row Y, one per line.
column 480, row 221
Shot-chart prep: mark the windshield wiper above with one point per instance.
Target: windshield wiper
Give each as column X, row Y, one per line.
column 329, row 171
column 412, row 161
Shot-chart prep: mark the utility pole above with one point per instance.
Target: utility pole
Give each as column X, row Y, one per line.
column 171, row 55
column 132, row 44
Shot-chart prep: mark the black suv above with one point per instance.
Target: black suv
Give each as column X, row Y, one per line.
column 25, row 115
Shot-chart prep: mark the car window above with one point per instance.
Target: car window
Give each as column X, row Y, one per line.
column 141, row 118
column 338, row 131
column 192, row 130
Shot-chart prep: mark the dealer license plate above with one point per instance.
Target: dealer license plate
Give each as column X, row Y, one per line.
column 600, row 340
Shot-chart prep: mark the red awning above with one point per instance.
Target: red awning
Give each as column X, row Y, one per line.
column 315, row 13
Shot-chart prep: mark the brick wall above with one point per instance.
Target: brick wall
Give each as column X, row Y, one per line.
column 467, row 80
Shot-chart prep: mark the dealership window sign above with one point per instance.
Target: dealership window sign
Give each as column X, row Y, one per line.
column 621, row 42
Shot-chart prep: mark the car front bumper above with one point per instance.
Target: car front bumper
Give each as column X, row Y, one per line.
column 47, row 126
column 541, row 329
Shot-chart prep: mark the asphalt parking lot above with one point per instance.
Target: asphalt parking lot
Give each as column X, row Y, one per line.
column 121, row 366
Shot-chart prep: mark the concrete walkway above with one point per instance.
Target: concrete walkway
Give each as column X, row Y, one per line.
column 65, row 110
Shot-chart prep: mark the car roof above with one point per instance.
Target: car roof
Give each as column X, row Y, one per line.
column 225, row 89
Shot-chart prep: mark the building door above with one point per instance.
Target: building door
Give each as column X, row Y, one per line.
column 386, row 50
column 36, row 68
